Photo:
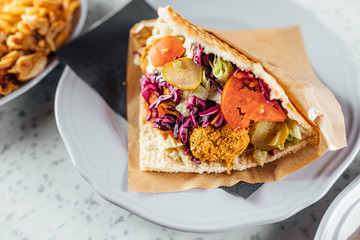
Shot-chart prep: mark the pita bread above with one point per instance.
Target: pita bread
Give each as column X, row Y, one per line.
column 159, row 152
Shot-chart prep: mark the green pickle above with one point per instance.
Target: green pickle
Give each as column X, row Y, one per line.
column 267, row 135
column 183, row 73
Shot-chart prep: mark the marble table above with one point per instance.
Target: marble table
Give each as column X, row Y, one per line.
column 43, row 197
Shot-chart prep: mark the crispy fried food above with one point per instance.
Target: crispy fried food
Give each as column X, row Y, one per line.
column 55, row 30
column 6, row 83
column 22, row 41
column 29, row 66
column 3, row 49
column 9, row 59
column 30, row 30
column 218, row 145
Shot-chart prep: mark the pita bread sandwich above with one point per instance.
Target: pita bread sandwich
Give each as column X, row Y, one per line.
column 207, row 108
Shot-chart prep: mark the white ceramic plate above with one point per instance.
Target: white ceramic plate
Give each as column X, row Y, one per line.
column 97, row 138
column 342, row 219
column 52, row 63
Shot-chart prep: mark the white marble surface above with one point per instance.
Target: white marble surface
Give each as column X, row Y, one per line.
column 43, row 197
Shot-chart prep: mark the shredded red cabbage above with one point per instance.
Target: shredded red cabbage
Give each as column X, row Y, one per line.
column 193, row 119
column 238, row 70
column 195, row 102
column 195, row 160
column 206, row 111
column 200, row 58
column 216, row 84
column 155, row 84
column 210, row 111
column 201, row 113
column 272, row 152
column 165, row 122
column 264, row 90
column 160, row 99
column 171, row 108
column 184, row 130
column 149, row 84
column 204, row 121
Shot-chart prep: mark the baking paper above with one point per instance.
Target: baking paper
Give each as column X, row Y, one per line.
column 282, row 53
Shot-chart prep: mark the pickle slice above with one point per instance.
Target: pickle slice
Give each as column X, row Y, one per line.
column 280, row 137
column 267, row 135
column 183, row 73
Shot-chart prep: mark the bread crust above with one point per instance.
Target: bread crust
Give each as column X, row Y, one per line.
column 213, row 44
column 157, row 149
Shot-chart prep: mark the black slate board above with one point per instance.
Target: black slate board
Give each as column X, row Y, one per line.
column 99, row 57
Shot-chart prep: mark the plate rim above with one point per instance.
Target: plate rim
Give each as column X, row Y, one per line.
column 100, row 189
column 335, row 207
column 350, row 155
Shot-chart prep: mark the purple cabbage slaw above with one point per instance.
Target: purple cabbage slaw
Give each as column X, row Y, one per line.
column 201, row 112
column 200, row 58
column 264, row 90
column 203, row 60
column 155, row 83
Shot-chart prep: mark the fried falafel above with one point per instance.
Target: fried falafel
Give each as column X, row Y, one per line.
column 218, row 145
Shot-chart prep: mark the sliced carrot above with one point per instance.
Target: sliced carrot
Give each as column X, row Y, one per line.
column 215, row 119
column 165, row 50
column 160, row 108
column 171, row 133
column 240, row 105
column 152, row 97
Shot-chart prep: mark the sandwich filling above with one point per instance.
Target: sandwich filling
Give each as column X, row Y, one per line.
column 207, row 104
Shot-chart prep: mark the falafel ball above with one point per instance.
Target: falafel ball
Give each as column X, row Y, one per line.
column 218, row 145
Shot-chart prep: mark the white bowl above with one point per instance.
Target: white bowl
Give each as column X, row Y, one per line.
column 52, row 63
column 342, row 218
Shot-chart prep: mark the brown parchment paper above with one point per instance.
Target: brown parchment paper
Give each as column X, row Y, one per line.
column 282, row 53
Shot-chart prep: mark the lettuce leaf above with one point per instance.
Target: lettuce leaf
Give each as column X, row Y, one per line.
column 294, row 131
column 221, row 69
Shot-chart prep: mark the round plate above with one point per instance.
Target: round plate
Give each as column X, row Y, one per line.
column 341, row 220
column 53, row 62
column 96, row 137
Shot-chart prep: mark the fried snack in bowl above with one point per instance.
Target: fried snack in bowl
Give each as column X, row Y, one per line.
column 30, row 31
